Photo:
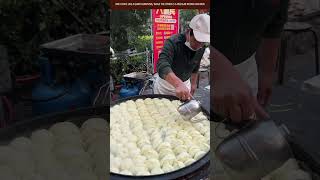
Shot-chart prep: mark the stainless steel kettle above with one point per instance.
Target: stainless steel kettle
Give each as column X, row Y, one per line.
column 255, row 151
column 189, row 109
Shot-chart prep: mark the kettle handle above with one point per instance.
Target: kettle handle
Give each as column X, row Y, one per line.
column 242, row 126
column 192, row 98
column 188, row 100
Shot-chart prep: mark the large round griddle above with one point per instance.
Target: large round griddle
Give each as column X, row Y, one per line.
column 196, row 170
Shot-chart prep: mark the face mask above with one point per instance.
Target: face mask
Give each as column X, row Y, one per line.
column 187, row 43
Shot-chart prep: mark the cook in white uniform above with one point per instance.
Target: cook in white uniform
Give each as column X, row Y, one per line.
column 179, row 60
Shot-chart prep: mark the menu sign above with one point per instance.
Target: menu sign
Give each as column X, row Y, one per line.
column 165, row 23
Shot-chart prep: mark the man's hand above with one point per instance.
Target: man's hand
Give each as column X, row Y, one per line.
column 232, row 96
column 182, row 92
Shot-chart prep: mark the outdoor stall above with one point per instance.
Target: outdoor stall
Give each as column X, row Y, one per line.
column 73, row 69
column 137, row 47
column 165, row 148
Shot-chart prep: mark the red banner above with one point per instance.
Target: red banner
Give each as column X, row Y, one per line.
column 165, row 23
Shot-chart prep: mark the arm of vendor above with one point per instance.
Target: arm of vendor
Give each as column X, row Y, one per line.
column 179, row 60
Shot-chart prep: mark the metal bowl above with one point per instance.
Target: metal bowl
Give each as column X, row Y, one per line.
column 189, row 109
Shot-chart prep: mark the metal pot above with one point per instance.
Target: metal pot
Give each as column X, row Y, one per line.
column 189, row 109
column 254, row 151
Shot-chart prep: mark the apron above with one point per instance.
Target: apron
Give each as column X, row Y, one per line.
column 249, row 73
column 161, row 86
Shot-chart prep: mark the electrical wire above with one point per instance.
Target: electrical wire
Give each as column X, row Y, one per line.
column 99, row 92
column 106, row 95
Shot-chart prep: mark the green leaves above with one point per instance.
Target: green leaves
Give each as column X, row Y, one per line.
column 132, row 29
column 27, row 24
column 126, row 27
column 124, row 65
column 185, row 17
column 141, row 43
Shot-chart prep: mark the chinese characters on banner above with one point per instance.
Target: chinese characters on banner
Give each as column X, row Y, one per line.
column 165, row 23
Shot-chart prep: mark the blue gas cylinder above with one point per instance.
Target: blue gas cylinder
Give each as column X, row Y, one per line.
column 127, row 91
column 57, row 98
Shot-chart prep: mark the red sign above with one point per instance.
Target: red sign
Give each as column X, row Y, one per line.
column 165, row 23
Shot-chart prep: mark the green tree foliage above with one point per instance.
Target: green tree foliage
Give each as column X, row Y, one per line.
column 141, row 43
column 127, row 26
column 27, row 24
column 185, row 17
column 132, row 29
column 129, row 29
